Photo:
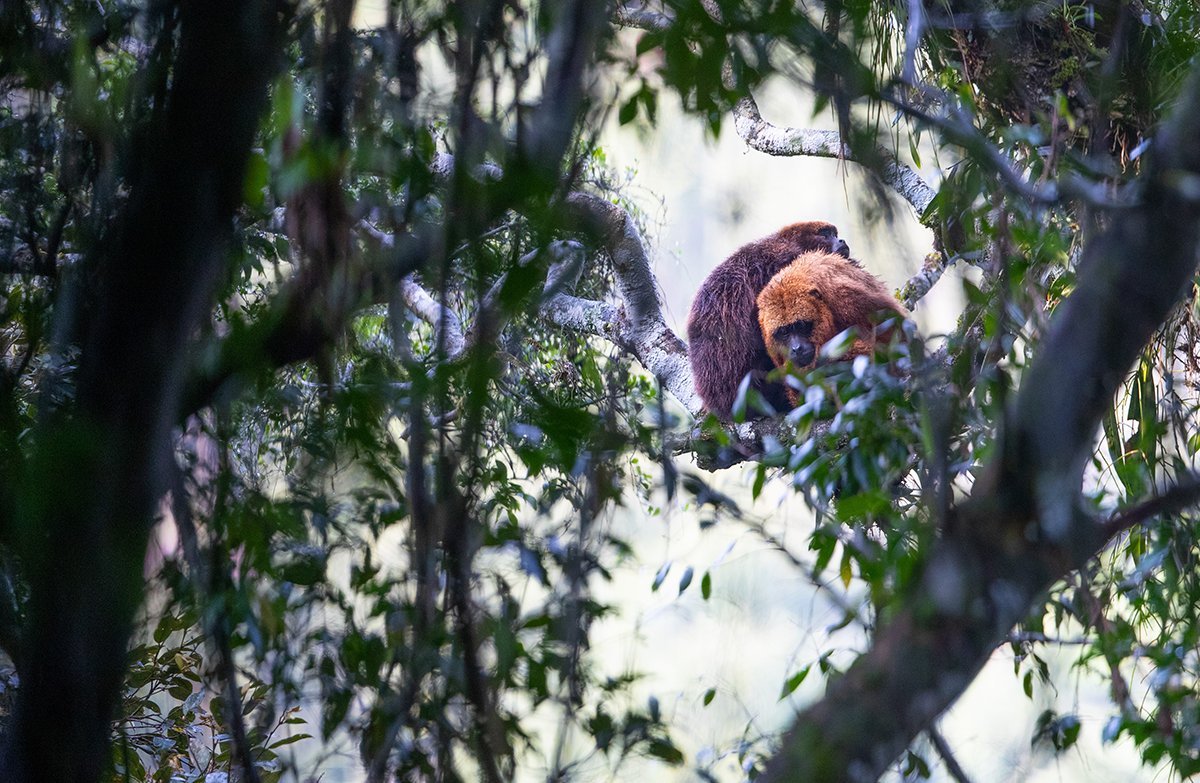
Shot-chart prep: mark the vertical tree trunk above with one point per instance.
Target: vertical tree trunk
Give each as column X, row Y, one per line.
column 99, row 470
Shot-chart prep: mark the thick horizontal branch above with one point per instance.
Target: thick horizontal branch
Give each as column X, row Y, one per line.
column 652, row 343
column 780, row 141
column 589, row 317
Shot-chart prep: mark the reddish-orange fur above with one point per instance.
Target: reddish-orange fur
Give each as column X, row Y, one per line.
column 831, row 292
column 724, row 341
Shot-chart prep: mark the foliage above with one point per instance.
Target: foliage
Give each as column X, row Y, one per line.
column 413, row 535
column 188, row 741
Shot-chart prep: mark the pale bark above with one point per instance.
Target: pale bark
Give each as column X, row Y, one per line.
column 783, row 141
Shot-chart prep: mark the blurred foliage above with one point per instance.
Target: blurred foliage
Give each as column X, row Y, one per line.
column 172, row 729
column 412, row 541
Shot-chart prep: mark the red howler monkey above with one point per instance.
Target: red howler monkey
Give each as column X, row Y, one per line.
column 813, row 299
column 724, row 338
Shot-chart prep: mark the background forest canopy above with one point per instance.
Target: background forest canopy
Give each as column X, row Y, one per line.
column 331, row 348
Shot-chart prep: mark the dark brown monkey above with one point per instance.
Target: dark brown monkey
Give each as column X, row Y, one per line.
column 813, row 299
column 724, row 339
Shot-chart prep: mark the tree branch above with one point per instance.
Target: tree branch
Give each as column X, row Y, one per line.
column 547, row 127
column 443, row 319
column 295, row 329
column 775, row 140
column 419, row 301
column 1023, row 526
column 642, row 17
column 932, row 269
column 947, row 753
column 1182, row 495
column 640, row 327
column 912, row 39
column 614, row 227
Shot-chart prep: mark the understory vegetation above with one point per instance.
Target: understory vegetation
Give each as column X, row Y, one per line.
column 331, row 349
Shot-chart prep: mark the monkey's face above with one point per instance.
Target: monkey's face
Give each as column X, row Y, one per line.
column 817, row 235
column 837, row 245
column 795, row 324
column 793, row 343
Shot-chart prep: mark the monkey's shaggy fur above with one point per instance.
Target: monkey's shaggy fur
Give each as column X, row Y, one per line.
column 724, row 340
column 822, row 294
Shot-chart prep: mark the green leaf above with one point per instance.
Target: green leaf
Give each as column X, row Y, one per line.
column 304, row 569
column 602, row 729
column 912, row 150
column 255, row 185
column 760, row 478
column 289, row 740
column 660, row 576
column 686, row 579
column 1058, row 731
column 825, row 547
column 915, row 765
column 648, row 41
column 793, row 682
column 664, row 749
column 164, row 628
column 706, row 585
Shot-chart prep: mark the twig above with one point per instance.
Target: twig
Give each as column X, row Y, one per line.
column 204, row 578
column 1185, row 493
column 1034, row 637
column 1097, row 619
column 943, row 749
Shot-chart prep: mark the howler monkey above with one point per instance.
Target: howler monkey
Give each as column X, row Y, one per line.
column 813, row 299
column 724, row 339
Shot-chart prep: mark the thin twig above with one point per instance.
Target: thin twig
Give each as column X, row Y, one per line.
column 1184, row 493
column 943, row 749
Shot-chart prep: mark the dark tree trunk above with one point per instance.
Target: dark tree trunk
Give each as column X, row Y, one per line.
column 100, row 469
